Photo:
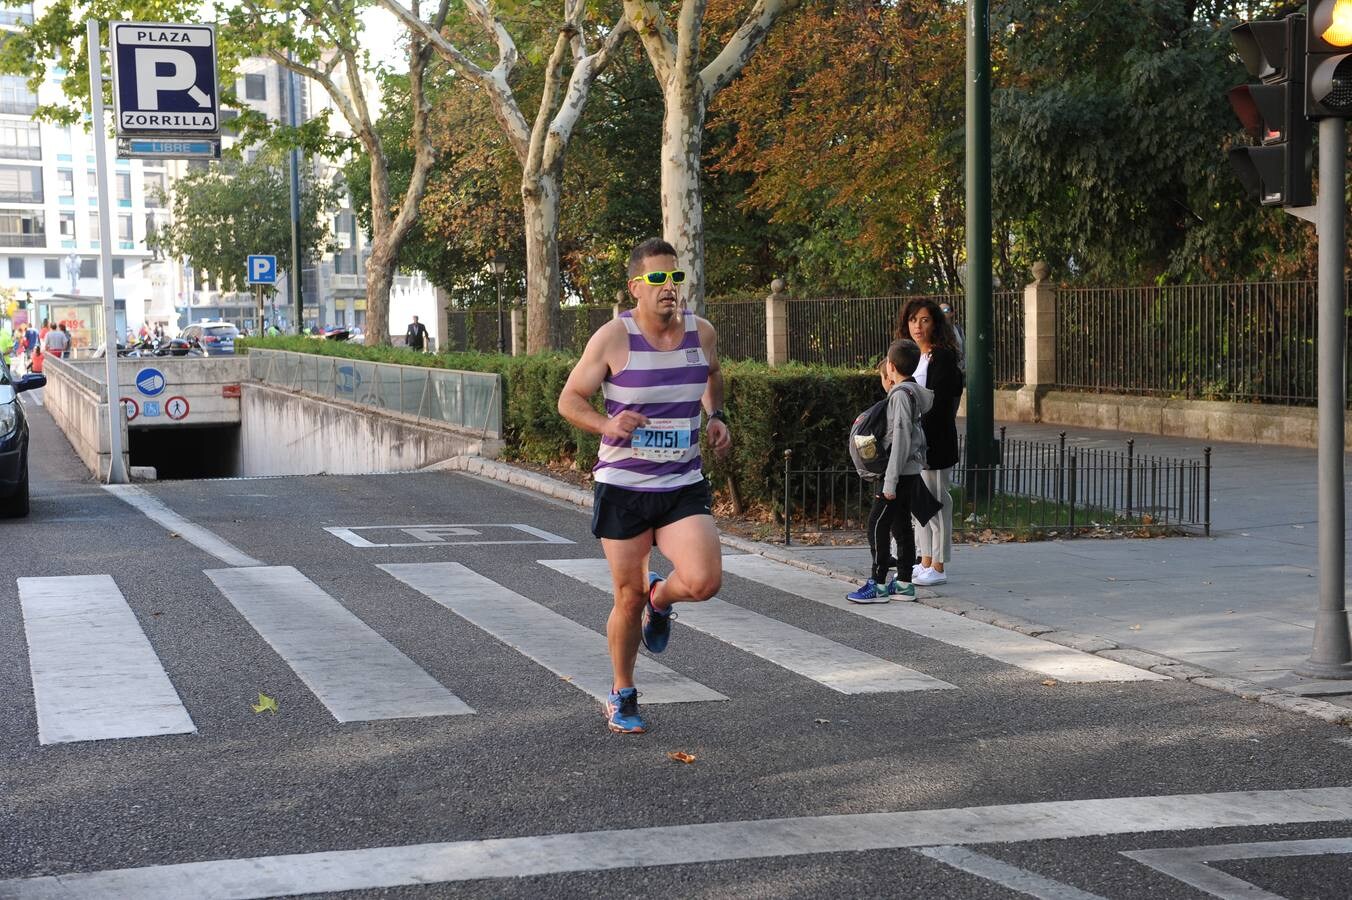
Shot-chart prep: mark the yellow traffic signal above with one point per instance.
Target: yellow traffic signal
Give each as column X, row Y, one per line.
column 1337, row 30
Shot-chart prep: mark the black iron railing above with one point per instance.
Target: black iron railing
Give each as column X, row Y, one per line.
column 1035, row 488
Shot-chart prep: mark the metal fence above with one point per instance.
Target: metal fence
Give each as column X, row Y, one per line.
column 1034, row 488
column 1240, row 342
column 741, row 328
column 578, row 323
column 477, row 330
column 466, row 399
column 854, row 331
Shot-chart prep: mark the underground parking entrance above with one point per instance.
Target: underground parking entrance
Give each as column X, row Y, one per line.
column 186, row 451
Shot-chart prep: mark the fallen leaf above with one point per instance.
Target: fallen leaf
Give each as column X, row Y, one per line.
column 265, row 703
column 1050, row 682
column 822, row 721
column 1111, row 578
column 565, row 677
column 680, row 756
column 173, row 534
column 1135, row 627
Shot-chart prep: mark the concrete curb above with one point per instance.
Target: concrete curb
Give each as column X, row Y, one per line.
column 1088, row 643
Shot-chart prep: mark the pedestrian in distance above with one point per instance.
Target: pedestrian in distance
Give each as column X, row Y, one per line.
column 56, row 342
column 924, row 322
column 416, row 336
column 890, row 517
column 657, row 366
column 6, row 344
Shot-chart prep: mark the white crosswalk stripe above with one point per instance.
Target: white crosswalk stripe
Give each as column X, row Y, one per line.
column 561, row 645
column 1042, row 657
column 356, row 673
column 835, row 665
column 95, row 674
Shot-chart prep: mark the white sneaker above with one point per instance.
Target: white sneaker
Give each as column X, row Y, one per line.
column 916, row 570
column 929, row 577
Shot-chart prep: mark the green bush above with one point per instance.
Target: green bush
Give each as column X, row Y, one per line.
column 806, row 409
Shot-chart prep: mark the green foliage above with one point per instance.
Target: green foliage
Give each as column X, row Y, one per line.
column 231, row 210
column 806, row 409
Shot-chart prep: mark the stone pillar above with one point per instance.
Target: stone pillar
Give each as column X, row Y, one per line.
column 518, row 324
column 1039, row 344
column 618, row 306
column 442, row 330
column 777, row 324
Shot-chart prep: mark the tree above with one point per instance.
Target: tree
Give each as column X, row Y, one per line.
column 227, row 212
column 540, row 146
column 687, row 90
column 849, row 126
column 322, row 40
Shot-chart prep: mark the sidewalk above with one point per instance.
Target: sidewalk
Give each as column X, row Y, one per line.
column 1241, row 602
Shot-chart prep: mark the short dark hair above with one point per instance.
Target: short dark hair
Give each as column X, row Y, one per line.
column 649, row 248
column 904, row 355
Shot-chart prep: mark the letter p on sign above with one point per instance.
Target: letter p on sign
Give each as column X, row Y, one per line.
column 262, row 270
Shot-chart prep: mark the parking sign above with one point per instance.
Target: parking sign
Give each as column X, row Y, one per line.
column 262, row 269
column 164, row 79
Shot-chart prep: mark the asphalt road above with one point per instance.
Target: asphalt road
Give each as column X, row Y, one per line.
column 996, row 768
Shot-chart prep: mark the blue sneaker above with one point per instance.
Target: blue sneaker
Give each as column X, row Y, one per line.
column 869, row 592
column 656, row 624
column 622, row 712
column 900, row 588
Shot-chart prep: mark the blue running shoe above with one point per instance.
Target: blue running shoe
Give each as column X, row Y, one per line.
column 656, row 624
column 622, row 712
column 869, row 592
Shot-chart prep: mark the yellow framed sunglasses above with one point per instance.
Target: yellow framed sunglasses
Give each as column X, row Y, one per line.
column 659, row 278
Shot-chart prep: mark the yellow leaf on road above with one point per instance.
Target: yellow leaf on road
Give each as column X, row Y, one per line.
column 1050, row 682
column 265, row 703
column 681, row 756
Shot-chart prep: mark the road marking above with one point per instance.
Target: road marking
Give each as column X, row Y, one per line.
column 826, row 662
column 196, row 535
column 353, row 671
column 95, row 674
column 436, row 535
column 1004, row 874
column 387, row 867
column 562, row 646
column 1043, row 657
column 1189, row 864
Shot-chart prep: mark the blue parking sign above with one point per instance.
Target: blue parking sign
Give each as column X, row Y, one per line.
column 262, row 269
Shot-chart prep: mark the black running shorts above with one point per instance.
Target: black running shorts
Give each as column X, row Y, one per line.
column 620, row 513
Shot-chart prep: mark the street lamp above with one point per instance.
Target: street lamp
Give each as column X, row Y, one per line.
column 499, row 269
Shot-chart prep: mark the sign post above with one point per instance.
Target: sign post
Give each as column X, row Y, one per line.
column 261, row 270
column 117, row 472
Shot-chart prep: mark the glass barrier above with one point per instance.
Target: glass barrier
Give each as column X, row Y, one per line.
column 464, row 399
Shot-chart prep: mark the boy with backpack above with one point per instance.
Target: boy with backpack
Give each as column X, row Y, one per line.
column 887, row 445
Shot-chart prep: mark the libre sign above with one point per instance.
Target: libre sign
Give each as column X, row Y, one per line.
column 164, row 79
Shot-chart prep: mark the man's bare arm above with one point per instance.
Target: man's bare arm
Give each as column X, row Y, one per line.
column 583, row 383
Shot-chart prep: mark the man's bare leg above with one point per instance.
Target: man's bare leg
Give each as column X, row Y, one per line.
column 628, row 561
column 696, row 558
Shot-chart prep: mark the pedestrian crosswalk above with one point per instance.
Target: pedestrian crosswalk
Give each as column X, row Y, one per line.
column 96, row 674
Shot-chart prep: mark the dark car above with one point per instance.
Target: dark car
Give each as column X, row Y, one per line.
column 14, row 442
column 217, row 338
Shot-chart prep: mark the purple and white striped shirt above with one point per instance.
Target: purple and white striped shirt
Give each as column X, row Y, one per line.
column 663, row 385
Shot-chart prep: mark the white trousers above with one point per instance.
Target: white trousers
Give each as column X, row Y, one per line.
column 935, row 538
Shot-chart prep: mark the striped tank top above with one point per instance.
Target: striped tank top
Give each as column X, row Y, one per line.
column 666, row 386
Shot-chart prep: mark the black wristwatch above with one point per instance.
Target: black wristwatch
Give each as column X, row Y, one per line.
column 718, row 414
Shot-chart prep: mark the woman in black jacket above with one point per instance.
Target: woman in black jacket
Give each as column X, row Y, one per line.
column 924, row 322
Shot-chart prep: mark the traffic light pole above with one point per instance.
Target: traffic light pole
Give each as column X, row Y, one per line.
column 980, row 380
column 1331, row 656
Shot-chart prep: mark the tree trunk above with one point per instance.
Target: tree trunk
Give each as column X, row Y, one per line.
column 544, row 285
column 682, row 207
column 380, row 268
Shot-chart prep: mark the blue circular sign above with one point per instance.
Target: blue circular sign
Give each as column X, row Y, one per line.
column 150, row 382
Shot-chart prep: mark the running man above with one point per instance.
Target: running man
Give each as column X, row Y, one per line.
column 656, row 366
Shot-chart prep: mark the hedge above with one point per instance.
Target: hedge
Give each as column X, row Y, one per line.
column 806, row 409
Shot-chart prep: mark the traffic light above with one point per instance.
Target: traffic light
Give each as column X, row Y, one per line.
column 1328, row 62
column 1277, row 169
